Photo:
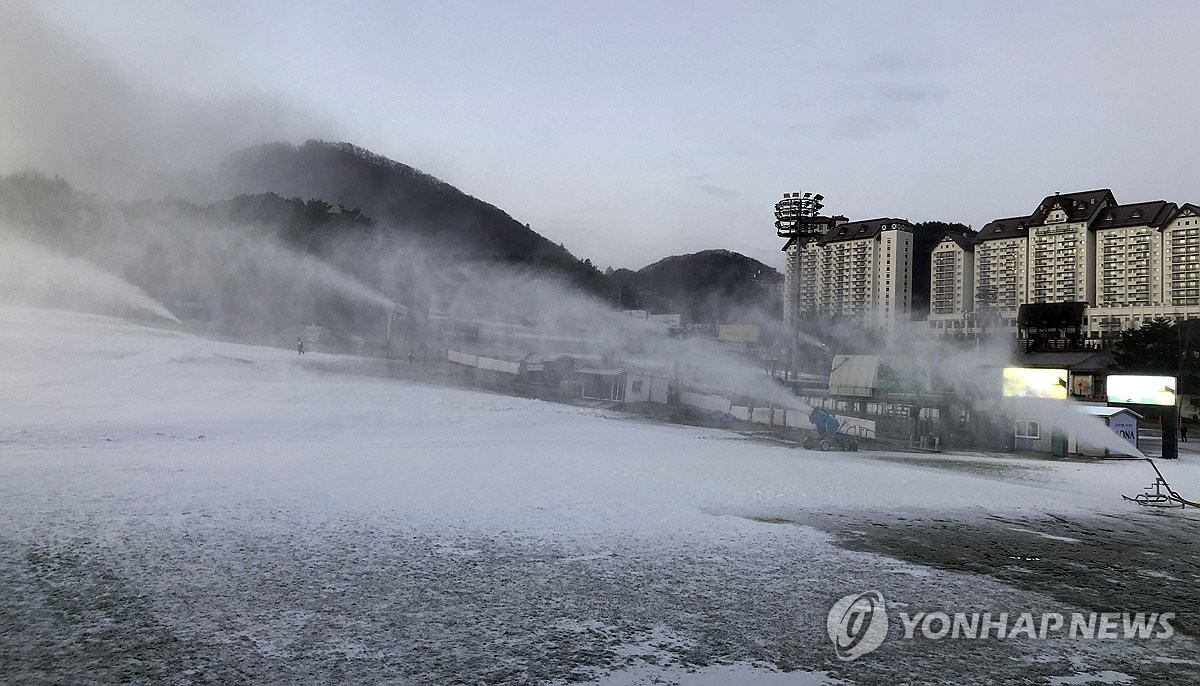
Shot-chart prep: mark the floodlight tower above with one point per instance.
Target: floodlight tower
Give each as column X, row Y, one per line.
column 798, row 218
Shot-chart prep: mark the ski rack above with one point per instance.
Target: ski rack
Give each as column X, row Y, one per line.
column 1160, row 493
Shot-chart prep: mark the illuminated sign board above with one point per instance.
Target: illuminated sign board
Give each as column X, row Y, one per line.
column 1025, row 382
column 1130, row 389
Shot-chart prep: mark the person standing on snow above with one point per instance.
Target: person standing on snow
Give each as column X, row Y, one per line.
column 299, row 346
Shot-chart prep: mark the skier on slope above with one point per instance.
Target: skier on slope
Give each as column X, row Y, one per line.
column 299, row 346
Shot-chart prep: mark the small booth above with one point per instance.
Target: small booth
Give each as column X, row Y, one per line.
column 603, row 384
column 1121, row 420
column 645, row 388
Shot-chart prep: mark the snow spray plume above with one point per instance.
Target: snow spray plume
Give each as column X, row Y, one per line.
column 1065, row 415
column 74, row 114
column 246, row 283
column 34, row 276
column 229, row 277
column 68, row 109
column 244, row 280
column 974, row 373
column 518, row 312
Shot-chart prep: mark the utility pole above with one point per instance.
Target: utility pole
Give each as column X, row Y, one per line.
column 797, row 218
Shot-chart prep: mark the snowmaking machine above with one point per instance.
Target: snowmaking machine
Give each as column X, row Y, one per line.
column 1160, row 493
column 829, row 433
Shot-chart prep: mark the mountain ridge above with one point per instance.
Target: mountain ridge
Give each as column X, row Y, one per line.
column 709, row 285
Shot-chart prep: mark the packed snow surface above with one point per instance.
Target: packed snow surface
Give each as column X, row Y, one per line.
column 176, row 509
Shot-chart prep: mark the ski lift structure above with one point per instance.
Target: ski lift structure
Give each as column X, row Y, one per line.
column 1160, row 493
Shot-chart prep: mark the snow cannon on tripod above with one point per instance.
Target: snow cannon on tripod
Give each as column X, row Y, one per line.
column 828, row 433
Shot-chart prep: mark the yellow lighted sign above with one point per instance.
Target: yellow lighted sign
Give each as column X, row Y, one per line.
column 1026, row 382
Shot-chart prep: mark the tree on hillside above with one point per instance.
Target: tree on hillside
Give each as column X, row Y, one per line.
column 1152, row 348
column 937, row 228
column 925, row 235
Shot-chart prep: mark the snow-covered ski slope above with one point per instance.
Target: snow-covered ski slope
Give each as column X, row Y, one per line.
column 174, row 508
column 120, row 394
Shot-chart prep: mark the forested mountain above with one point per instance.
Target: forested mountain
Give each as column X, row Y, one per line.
column 405, row 202
column 711, row 285
column 386, row 225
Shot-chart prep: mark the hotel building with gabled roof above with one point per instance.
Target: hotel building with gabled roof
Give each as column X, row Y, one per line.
column 860, row 270
column 1127, row 264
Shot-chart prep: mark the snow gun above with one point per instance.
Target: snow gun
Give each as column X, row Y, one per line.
column 828, row 433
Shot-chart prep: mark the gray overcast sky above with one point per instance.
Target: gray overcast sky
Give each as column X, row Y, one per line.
column 634, row 130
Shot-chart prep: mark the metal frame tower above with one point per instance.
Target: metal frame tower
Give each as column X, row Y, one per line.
column 798, row 217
